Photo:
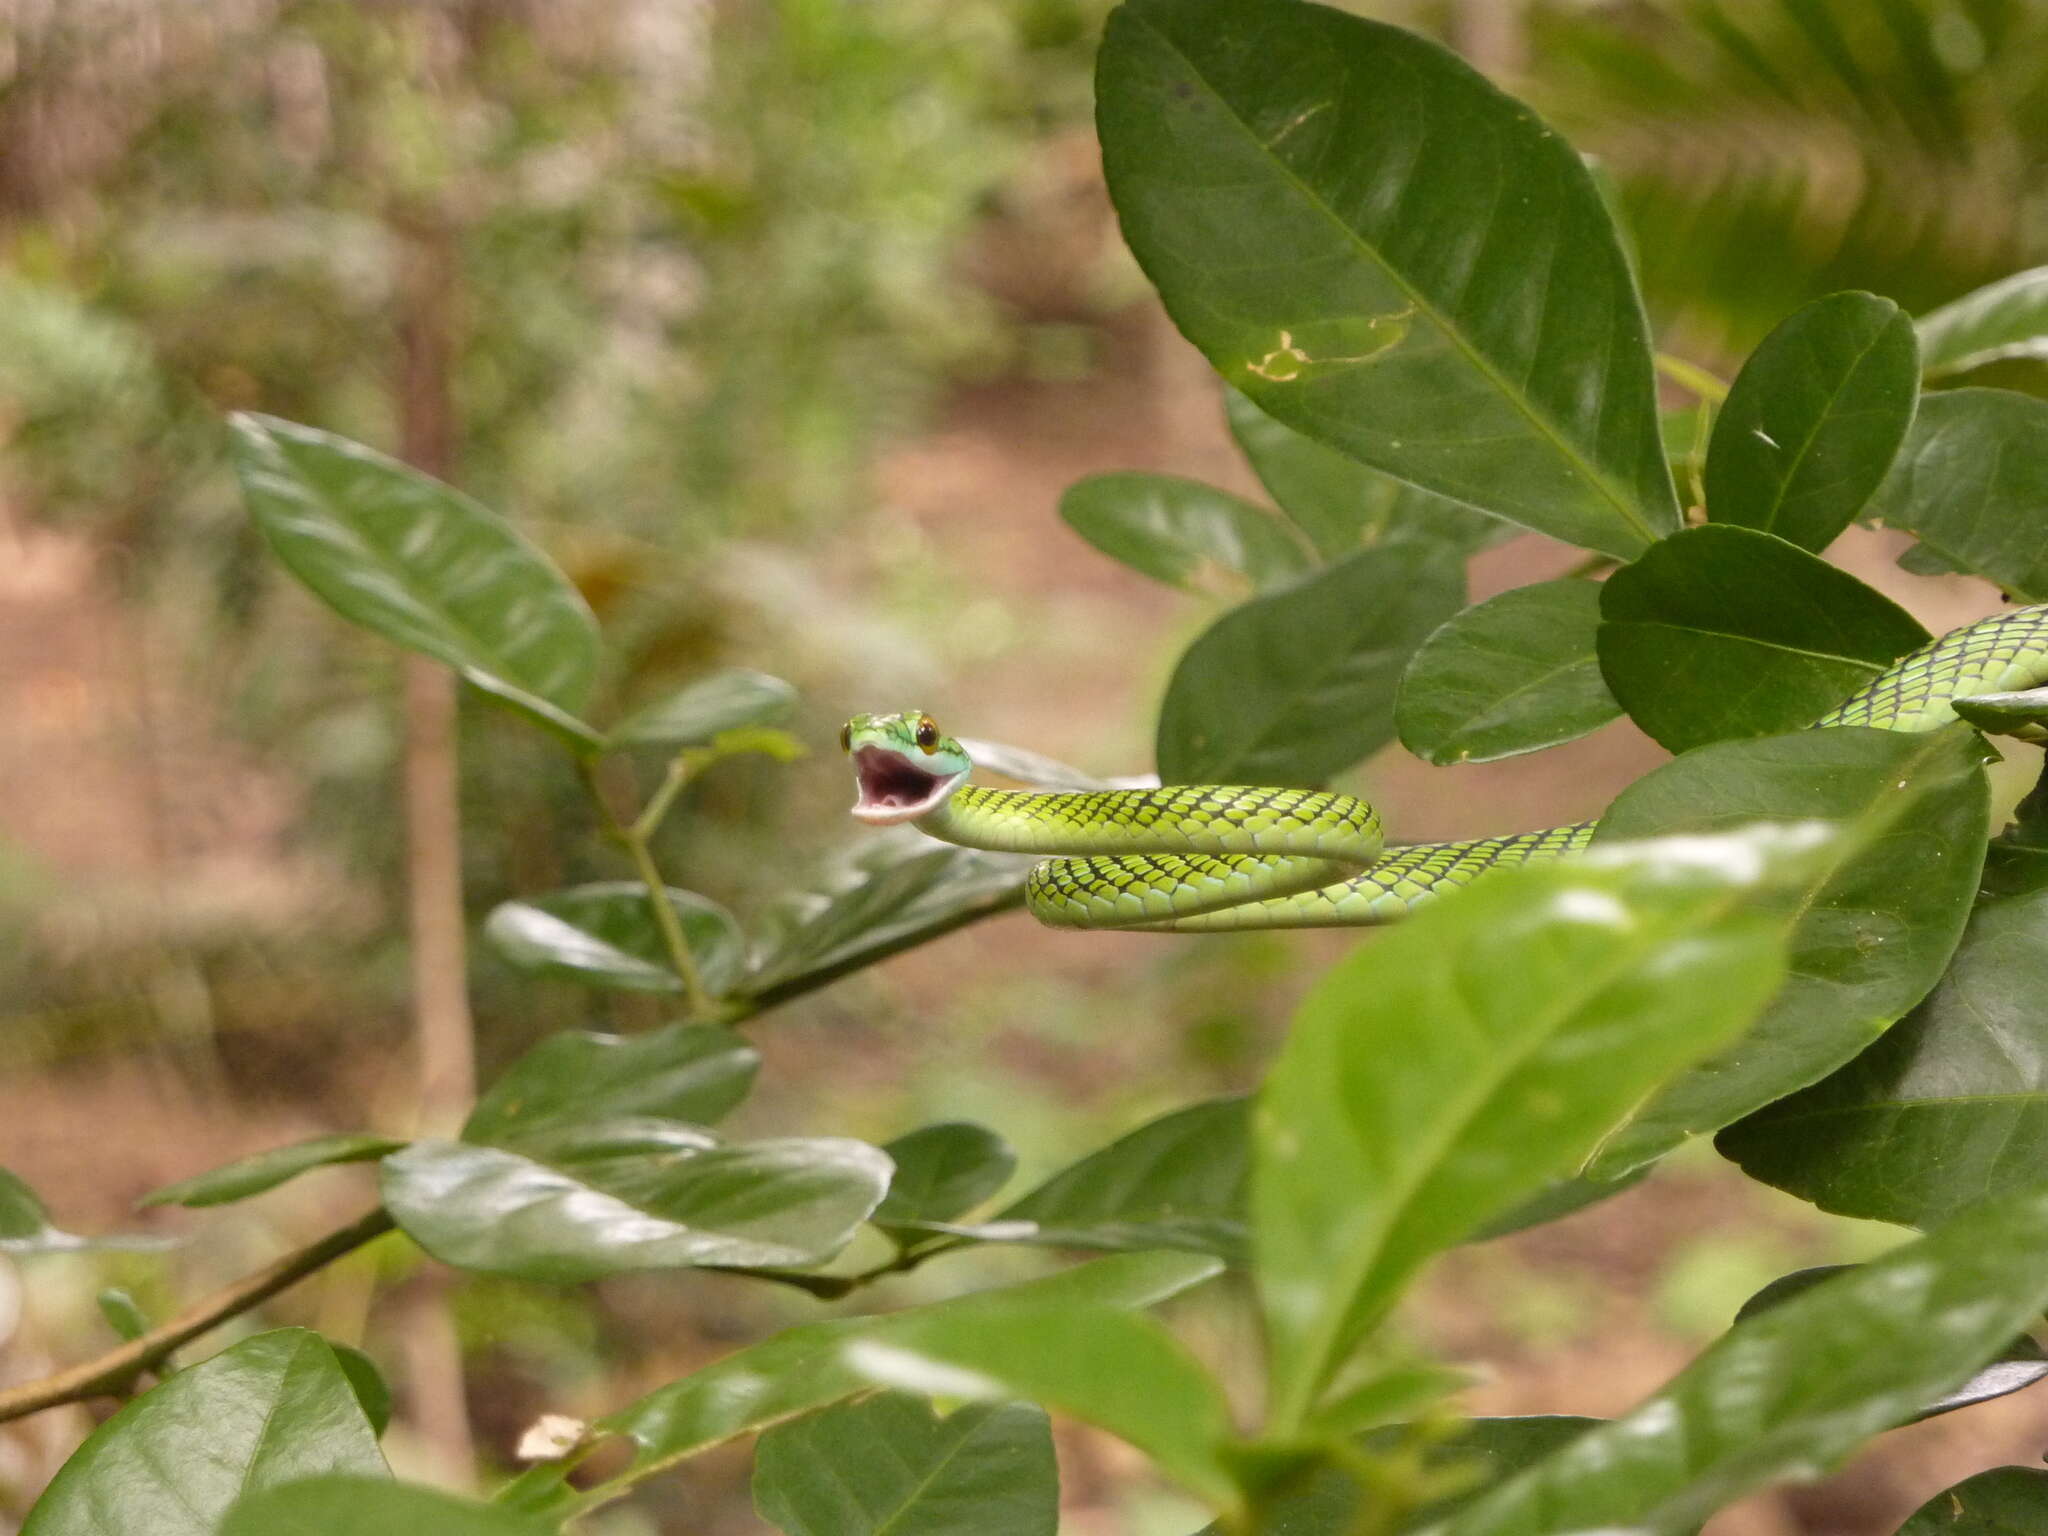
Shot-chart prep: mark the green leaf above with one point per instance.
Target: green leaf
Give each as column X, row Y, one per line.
column 1176, row 530
column 1113, row 1368
column 1791, row 1392
column 373, row 1392
column 422, row 565
column 1179, row 1181
column 1294, row 686
column 261, row 1171
column 2018, row 1366
column 803, row 1368
column 1341, row 504
column 1446, row 1072
column 266, row 1411
column 729, row 700
column 691, row 1072
column 25, row 1226
column 2005, row 1501
column 605, row 935
column 354, row 1506
column 894, row 891
column 1814, row 420
column 1722, row 632
column 2023, row 714
column 982, row 1470
column 1323, row 203
column 1512, row 674
column 1952, row 1103
column 2008, row 318
column 944, row 1170
column 637, row 1194
column 1971, row 483
column 1869, row 941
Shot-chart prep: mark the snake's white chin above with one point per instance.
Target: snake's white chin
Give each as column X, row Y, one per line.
column 894, row 789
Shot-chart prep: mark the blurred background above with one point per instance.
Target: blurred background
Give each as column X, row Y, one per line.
column 781, row 324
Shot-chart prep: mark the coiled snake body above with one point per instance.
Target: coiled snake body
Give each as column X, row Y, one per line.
column 1204, row 857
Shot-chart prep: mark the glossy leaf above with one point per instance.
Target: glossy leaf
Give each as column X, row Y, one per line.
column 25, row 1226
column 803, row 1368
column 1447, row 1071
column 1971, row 483
column 422, row 565
column 983, row 1470
column 268, row 1410
column 1341, row 504
column 1722, row 632
column 355, row 1506
column 1789, row 1393
column 605, row 935
column 943, row 1171
column 728, row 700
column 261, row 1171
column 633, row 1195
column 1814, row 420
column 2015, row 1368
column 2005, row 1501
column 895, row 890
column 1175, row 530
column 1295, row 686
column 1110, row 1367
column 1512, row 674
column 2006, row 319
column 1324, row 205
column 1869, row 941
column 1952, row 1103
column 373, row 1392
column 692, row 1072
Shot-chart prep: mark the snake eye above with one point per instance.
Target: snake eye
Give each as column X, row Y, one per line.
column 927, row 733
column 846, row 737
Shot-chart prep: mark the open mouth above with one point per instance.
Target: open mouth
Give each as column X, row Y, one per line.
column 893, row 788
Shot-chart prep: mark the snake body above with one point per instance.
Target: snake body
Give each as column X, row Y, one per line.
column 1207, row 857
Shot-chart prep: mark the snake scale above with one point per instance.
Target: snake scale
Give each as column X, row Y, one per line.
column 1204, row 857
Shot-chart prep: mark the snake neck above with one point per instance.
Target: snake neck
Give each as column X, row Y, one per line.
column 1180, row 818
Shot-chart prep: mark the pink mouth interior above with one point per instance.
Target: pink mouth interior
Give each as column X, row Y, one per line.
column 890, row 784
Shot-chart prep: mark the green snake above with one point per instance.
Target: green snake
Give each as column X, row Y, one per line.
column 1204, row 857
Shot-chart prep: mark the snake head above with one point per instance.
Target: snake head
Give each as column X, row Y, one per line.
column 903, row 766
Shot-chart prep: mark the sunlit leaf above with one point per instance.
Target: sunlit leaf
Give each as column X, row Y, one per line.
column 692, row 1072
column 2008, row 318
column 605, row 935
column 419, row 563
column 269, row 1410
column 1389, row 255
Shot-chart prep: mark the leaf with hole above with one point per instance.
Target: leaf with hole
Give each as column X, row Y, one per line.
column 1814, row 420
column 1389, row 255
column 423, row 565
column 1294, row 686
column 605, row 935
column 268, row 1410
column 1513, row 674
column 1721, row 632
column 1176, row 530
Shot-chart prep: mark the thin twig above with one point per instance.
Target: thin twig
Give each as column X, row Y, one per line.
column 631, row 838
column 1692, row 378
column 114, row 1372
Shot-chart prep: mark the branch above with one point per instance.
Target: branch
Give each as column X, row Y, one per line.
column 116, row 1371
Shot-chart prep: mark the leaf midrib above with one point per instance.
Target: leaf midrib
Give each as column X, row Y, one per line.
column 1595, row 477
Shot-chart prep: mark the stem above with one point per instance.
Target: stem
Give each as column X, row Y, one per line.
column 116, row 1371
column 633, row 838
column 656, row 811
column 1692, row 378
